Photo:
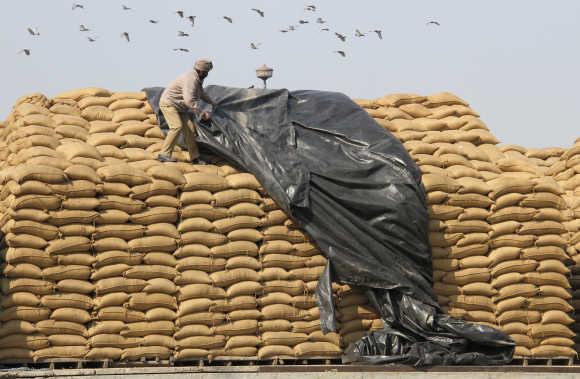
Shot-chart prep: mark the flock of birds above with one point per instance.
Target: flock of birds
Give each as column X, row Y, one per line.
column 33, row 31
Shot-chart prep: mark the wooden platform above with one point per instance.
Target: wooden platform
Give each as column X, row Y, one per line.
column 535, row 361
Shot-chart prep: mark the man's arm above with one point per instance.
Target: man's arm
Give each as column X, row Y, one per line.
column 207, row 99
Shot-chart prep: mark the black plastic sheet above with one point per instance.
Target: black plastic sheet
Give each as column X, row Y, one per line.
column 355, row 190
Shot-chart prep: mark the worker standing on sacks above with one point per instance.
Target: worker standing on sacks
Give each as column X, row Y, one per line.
column 178, row 102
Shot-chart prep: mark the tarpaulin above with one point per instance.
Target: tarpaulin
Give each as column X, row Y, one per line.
column 352, row 186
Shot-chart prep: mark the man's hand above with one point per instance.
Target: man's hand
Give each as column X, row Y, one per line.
column 206, row 116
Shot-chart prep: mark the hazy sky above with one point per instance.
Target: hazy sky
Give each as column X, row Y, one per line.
column 516, row 62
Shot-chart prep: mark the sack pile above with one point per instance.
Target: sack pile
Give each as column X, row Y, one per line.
column 497, row 221
column 111, row 254
column 450, row 145
column 566, row 171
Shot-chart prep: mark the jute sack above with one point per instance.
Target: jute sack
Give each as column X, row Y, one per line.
column 231, row 249
column 111, row 300
column 196, row 197
column 124, row 204
column 202, row 318
column 283, row 338
column 154, row 243
column 237, row 328
column 274, row 325
column 160, row 314
column 20, row 298
column 106, row 327
column 237, row 303
column 75, row 286
column 17, row 327
column 241, row 341
column 123, row 173
column 283, row 311
column 25, row 341
column 150, row 272
column 22, row 270
column 274, row 351
column 527, row 317
column 201, row 263
column 291, row 287
column 236, row 222
column 11, row 353
column 316, row 349
column 206, row 211
column 79, row 316
column 75, row 352
column 158, row 340
column 246, row 209
column 144, row 301
column 192, row 277
column 204, row 238
column 141, row 329
column 553, row 351
column 192, row 354
column 120, row 314
column 192, row 331
column 136, row 353
column 229, row 277
column 36, row 257
column 97, row 354
column 114, row 257
column 66, row 340
column 69, row 300
column 201, row 342
column 193, row 291
column 163, row 259
column 25, row 241
column 204, row 181
column 119, row 284
column 35, row 286
column 67, row 272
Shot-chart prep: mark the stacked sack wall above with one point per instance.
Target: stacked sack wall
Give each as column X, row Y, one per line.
column 497, row 221
column 566, row 171
column 110, row 254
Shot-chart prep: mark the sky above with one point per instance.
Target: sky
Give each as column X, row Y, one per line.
column 516, row 62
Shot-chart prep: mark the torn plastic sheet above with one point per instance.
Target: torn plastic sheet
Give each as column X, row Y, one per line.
column 352, row 186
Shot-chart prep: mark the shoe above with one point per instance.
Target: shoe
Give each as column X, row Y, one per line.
column 198, row 161
column 165, row 158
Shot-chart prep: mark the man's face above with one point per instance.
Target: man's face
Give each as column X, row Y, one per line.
column 202, row 74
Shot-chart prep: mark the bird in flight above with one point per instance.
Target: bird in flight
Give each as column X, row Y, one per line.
column 311, row 8
column 258, row 11
column 319, row 20
column 341, row 37
column 303, row 22
column 192, row 20
column 325, row 30
column 92, row 39
column 79, row 6
column 433, row 23
column 181, row 49
column 228, row 19
column 25, row 51
column 182, row 34
column 179, row 13
column 254, row 46
column 33, row 31
column 125, row 8
column 342, row 53
column 378, row 32
column 358, row 33
column 250, row 87
column 283, row 31
column 153, row 21
column 126, row 36
column 83, row 28
column 292, row 27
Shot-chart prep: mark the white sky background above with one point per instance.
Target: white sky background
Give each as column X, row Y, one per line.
column 516, row 62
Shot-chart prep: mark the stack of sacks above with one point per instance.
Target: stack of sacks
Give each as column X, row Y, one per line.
column 47, row 264
column 545, row 158
column 291, row 266
column 218, row 264
column 355, row 315
column 528, row 259
column 567, row 173
column 450, row 144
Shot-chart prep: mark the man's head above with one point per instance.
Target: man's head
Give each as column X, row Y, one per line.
column 203, row 67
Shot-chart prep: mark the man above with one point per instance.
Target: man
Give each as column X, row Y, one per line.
column 178, row 102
